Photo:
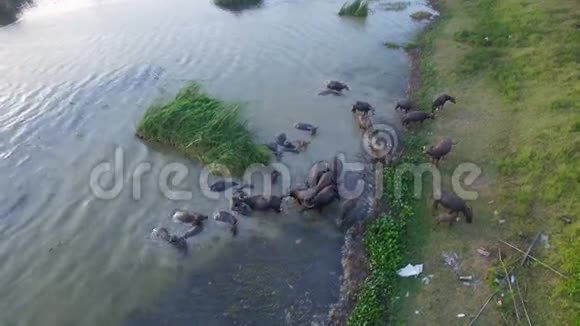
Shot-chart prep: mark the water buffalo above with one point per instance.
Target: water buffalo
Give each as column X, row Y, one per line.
column 183, row 216
column 325, row 180
column 303, row 195
column 439, row 151
column 178, row 243
column 193, row 231
column 362, row 107
column 222, row 185
column 238, row 205
column 296, row 146
column 262, row 203
column 364, row 122
column 454, row 204
column 316, row 172
column 404, row 105
column 306, row 127
column 322, row 198
column 337, row 86
column 227, row 218
column 440, row 102
column 280, row 138
column 417, row 116
column 447, row 218
column 336, row 168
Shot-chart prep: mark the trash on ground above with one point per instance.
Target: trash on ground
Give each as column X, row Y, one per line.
column 544, row 238
column 460, row 315
column 410, row 270
column 426, row 280
column 501, row 221
column 416, row 312
column 484, row 252
column 466, row 278
column 566, row 219
column 451, row 260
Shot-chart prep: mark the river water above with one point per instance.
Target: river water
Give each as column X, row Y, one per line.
column 75, row 78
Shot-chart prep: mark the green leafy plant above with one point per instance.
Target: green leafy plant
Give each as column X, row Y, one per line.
column 385, row 243
column 359, row 8
column 203, row 128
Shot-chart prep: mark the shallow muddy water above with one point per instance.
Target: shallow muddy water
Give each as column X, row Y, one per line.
column 75, row 78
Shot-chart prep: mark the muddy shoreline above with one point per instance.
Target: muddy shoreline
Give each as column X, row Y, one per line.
column 354, row 259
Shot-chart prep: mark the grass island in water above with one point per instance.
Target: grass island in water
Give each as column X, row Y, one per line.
column 359, row 8
column 203, row 128
column 237, row 4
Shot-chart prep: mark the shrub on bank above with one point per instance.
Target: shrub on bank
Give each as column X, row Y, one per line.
column 359, row 8
column 237, row 4
column 385, row 243
column 203, row 128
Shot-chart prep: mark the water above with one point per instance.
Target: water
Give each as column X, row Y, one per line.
column 77, row 75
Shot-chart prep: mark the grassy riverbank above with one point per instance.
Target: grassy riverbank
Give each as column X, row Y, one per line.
column 514, row 67
column 203, row 128
column 386, row 240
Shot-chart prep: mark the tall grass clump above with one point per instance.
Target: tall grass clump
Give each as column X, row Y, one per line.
column 203, row 128
column 359, row 8
column 237, row 4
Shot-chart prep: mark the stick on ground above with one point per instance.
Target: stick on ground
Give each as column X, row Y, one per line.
column 525, row 258
column 507, row 278
column 523, row 304
column 482, row 308
column 534, row 258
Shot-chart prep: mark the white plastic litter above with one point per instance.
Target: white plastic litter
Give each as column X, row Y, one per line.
column 410, row 270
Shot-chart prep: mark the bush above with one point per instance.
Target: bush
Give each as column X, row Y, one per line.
column 359, row 8
column 385, row 244
column 203, row 128
column 237, row 4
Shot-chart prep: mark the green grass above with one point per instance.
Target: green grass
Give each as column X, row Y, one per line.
column 518, row 63
column 532, row 52
column 203, row 128
column 359, row 8
column 385, row 241
column 237, row 4
column 420, row 15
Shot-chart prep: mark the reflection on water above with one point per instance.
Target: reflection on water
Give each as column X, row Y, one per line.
column 78, row 75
